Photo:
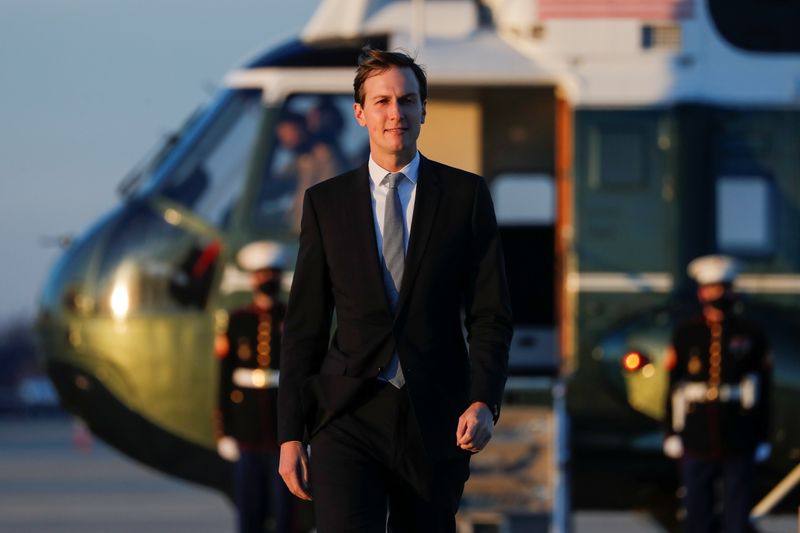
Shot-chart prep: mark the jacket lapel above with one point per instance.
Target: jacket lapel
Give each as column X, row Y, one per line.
column 364, row 232
column 426, row 204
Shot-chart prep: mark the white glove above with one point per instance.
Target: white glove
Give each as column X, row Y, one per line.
column 228, row 449
column 763, row 451
column 673, row 447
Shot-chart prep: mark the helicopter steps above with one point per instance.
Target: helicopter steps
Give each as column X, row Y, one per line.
column 516, row 484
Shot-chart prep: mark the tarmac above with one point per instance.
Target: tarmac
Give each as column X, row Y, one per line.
column 56, row 478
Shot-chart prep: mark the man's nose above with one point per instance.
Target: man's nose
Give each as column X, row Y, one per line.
column 395, row 112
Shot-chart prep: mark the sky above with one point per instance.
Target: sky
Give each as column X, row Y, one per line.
column 87, row 88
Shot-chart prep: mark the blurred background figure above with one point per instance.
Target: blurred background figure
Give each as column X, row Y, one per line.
column 248, row 381
column 326, row 124
column 293, row 134
column 310, row 156
column 718, row 402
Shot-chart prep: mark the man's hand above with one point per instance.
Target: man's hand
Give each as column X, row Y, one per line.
column 293, row 469
column 228, row 448
column 673, row 447
column 475, row 428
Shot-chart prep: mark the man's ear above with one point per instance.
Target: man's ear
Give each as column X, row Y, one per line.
column 424, row 112
column 358, row 112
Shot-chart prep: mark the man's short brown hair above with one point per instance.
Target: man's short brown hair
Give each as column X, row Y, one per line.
column 373, row 61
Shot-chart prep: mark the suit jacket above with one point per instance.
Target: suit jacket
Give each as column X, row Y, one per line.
column 454, row 262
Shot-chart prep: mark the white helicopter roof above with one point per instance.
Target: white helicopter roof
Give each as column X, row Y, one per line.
column 597, row 59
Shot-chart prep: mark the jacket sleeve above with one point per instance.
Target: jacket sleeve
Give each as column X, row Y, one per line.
column 487, row 305
column 306, row 326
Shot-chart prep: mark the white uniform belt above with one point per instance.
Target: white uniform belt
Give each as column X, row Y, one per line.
column 255, row 378
column 685, row 394
column 698, row 392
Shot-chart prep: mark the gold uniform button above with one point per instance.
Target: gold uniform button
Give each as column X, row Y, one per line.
column 712, row 394
column 237, row 396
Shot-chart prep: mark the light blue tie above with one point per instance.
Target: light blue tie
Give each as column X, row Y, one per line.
column 394, row 263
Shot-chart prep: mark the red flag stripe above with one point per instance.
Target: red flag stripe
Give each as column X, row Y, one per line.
column 654, row 9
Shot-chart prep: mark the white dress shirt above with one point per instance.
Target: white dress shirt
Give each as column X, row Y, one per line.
column 406, row 189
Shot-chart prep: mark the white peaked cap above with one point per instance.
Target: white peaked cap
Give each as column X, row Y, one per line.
column 260, row 255
column 709, row 269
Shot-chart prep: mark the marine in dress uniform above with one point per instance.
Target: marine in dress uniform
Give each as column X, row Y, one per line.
column 717, row 409
column 248, row 380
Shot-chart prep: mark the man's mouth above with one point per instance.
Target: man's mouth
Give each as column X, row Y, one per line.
column 396, row 131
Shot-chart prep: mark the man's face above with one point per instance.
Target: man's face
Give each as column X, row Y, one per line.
column 264, row 275
column 714, row 292
column 289, row 135
column 392, row 112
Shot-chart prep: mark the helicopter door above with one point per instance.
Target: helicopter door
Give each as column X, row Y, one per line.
column 518, row 159
column 508, row 136
column 525, row 207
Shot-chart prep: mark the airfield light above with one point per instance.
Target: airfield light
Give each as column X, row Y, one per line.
column 632, row 361
column 172, row 216
column 120, row 301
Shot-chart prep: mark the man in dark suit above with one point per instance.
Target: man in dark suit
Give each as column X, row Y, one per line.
column 393, row 403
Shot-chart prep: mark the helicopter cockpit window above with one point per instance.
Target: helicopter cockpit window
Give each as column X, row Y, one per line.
column 210, row 177
column 151, row 266
column 316, row 138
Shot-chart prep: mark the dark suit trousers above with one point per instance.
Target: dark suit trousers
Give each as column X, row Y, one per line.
column 370, row 461
column 700, row 476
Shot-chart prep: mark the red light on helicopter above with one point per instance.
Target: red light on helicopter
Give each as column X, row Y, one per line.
column 633, row 361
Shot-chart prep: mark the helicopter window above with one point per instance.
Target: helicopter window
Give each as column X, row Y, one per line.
column 210, row 177
column 744, row 223
column 315, row 139
column 524, row 199
column 142, row 176
column 619, row 154
column 150, row 265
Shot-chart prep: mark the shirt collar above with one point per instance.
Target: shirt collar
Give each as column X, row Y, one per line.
column 377, row 172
